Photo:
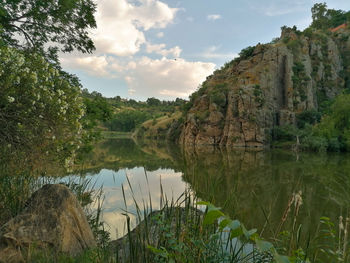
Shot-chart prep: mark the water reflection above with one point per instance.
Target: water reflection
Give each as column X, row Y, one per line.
column 253, row 186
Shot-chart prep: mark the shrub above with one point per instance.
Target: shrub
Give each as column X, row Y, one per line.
column 40, row 109
column 246, row 52
column 315, row 143
column 308, row 116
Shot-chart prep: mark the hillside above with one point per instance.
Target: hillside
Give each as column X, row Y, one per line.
column 272, row 85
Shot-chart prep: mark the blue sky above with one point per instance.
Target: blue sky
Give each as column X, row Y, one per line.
column 166, row 48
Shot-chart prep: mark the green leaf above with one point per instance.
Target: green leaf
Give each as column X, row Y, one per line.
column 237, row 232
column 225, row 222
column 247, row 233
column 211, row 216
column 281, row 259
column 155, row 250
column 203, row 203
column 262, row 245
column 234, row 224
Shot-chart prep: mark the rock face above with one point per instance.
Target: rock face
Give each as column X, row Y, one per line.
column 241, row 103
column 53, row 219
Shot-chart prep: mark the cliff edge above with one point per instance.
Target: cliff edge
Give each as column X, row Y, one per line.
column 268, row 86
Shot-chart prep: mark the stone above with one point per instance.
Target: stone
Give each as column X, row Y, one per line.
column 52, row 219
column 261, row 94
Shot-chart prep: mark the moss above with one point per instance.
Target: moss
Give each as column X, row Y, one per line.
column 300, row 80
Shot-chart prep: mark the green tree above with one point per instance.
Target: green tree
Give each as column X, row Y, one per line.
column 40, row 110
column 63, row 22
column 127, row 120
column 336, row 125
column 97, row 109
column 153, row 102
column 319, row 19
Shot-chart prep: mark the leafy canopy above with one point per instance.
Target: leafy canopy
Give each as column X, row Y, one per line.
column 40, row 109
column 323, row 18
column 32, row 24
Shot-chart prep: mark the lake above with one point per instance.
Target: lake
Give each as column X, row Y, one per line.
column 255, row 186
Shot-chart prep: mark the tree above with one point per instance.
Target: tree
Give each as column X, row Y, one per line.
column 323, row 18
column 153, row 101
column 38, row 22
column 319, row 19
column 40, row 110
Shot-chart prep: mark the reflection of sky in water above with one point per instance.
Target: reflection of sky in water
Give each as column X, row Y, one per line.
column 112, row 182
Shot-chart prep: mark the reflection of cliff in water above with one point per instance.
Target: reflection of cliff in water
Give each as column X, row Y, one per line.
column 256, row 186
column 253, row 186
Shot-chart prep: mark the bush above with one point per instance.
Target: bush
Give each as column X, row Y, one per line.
column 284, row 133
column 309, row 116
column 127, row 120
column 246, row 52
column 40, row 109
column 315, row 143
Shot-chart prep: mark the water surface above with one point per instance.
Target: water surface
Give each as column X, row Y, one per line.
column 254, row 186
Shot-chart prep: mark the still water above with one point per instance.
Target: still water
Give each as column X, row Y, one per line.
column 254, row 186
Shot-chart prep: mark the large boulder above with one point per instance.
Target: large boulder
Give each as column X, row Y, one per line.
column 52, row 219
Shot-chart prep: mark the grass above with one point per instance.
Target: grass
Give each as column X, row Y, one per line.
column 183, row 230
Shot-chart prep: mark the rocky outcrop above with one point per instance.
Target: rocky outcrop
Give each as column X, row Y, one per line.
column 241, row 103
column 53, row 219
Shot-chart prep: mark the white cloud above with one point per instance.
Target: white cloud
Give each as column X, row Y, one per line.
column 120, row 24
column 100, row 66
column 166, row 77
column 213, row 52
column 161, row 50
column 213, row 17
column 279, row 7
column 160, row 34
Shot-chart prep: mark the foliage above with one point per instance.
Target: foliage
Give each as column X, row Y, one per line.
column 323, row 18
column 300, row 80
column 259, row 95
column 337, row 123
column 308, row 117
column 246, row 52
column 218, row 97
column 284, row 133
column 127, row 120
column 97, row 109
column 294, row 45
column 212, row 238
column 153, row 102
column 40, row 109
column 65, row 23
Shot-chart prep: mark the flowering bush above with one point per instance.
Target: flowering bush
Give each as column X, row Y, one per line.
column 40, row 109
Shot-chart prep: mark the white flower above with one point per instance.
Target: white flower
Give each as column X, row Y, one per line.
column 10, row 99
column 41, row 116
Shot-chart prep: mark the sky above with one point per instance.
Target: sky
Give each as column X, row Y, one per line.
column 167, row 48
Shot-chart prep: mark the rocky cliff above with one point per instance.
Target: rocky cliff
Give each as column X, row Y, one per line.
column 268, row 86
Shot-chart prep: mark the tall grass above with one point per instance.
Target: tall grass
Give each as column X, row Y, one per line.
column 182, row 230
column 186, row 230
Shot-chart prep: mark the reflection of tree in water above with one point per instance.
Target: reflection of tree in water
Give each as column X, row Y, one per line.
column 116, row 154
column 255, row 185
column 249, row 185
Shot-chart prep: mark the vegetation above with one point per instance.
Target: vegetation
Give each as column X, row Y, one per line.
column 40, row 109
column 323, row 18
column 55, row 23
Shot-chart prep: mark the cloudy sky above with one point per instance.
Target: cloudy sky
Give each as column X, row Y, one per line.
column 166, row 48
